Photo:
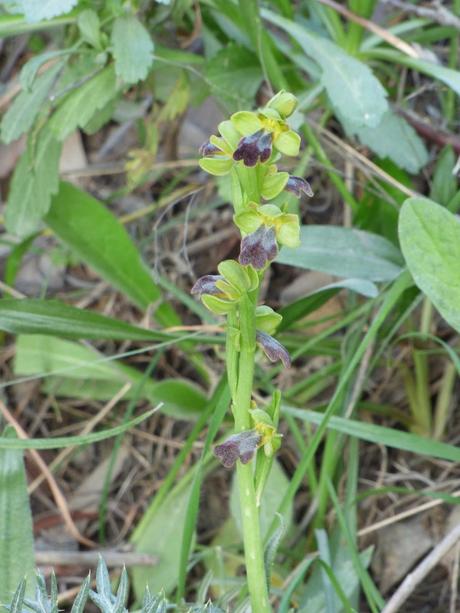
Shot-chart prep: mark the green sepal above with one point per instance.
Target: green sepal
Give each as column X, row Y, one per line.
column 260, row 416
column 270, row 210
column 246, row 122
column 288, row 233
column 217, row 166
column 238, row 276
column 274, row 408
column 218, row 305
column 229, row 133
column 274, row 184
column 267, row 320
column 288, row 143
column 284, row 102
column 234, row 336
column 221, row 144
column 229, row 291
column 263, row 467
column 248, row 220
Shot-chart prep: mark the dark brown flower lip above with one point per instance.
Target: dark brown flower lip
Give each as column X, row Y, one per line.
column 206, row 285
column 253, row 148
column 240, row 446
column 298, row 185
column 259, row 248
column 273, row 349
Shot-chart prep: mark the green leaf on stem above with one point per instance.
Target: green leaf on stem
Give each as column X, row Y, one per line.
column 16, row 536
column 430, row 241
column 132, row 49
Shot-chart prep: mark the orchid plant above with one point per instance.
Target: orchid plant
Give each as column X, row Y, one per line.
column 248, row 148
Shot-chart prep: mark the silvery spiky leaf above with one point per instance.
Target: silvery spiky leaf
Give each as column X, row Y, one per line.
column 104, row 599
column 82, row 597
column 18, row 598
column 154, row 604
column 43, row 603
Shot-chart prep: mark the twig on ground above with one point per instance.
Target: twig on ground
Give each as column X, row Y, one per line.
column 90, row 425
column 57, row 494
column 388, row 37
column 91, row 558
column 426, row 565
column 436, row 12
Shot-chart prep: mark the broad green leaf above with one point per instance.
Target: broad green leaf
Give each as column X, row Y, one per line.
column 234, row 75
column 275, row 488
column 430, row 241
column 59, row 442
column 161, row 536
column 36, row 316
column 90, row 26
column 21, row 115
column 16, row 536
column 86, row 226
column 67, row 364
column 380, row 434
column 344, row 252
column 34, row 181
column 393, row 138
column 132, row 49
column 38, row 10
column 81, row 104
column 353, row 91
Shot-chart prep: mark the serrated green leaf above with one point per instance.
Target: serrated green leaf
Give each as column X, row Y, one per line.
column 132, row 49
column 344, row 252
column 21, row 115
column 78, row 107
column 430, row 241
column 16, row 536
column 86, row 226
column 89, row 26
column 38, row 10
column 353, row 91
column 34, row 181
column 393, row 138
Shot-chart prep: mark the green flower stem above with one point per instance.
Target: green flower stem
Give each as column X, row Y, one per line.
column 253, row 544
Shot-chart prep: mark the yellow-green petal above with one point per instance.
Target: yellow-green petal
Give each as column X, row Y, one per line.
column 217, row 166
column 218, row 305
column 229, row 133
column 246, row 122
column 274, row 184
column 284, row 102
column 289, row 233
column 288, row 143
